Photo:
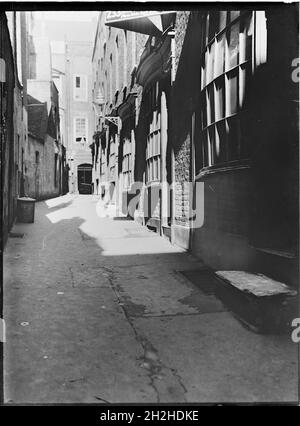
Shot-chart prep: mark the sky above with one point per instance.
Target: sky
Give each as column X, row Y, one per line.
column 70, row 16
column 68, row 25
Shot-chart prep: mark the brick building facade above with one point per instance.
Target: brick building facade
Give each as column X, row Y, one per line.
column 235, row 133
column 210, row 109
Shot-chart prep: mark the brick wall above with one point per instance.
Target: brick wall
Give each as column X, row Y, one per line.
column 181, row 24
column 39, row 177
column 182, row 178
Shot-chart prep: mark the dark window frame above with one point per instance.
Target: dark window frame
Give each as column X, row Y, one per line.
column 220, row 112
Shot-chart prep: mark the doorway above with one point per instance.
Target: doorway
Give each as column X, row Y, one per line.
column 84, row 176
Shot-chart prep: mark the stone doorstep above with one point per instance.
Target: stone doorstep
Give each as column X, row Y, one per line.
column 263, row 304
column 256, row 284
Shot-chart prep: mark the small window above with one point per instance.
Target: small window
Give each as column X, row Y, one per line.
column 80, row 129
column 37, row 157
column 80, row 88
column 153, row 154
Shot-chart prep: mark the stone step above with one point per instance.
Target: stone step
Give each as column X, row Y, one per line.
column 262, row 303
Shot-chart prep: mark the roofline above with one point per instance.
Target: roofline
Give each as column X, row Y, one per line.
column 39, row 139
column 58, row 71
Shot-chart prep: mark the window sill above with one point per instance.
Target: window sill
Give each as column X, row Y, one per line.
column 224, row 167
column 153, row 183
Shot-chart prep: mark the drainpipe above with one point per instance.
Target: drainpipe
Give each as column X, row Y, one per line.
column 171, row 34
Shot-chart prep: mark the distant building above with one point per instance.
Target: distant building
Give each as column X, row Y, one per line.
column 79, row 119
column 115, row 93
column 43, row 155
column 71, row 46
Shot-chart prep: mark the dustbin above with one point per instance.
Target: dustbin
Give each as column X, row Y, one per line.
column 25, row 209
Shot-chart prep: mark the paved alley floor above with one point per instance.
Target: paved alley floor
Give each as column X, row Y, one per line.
column 97, row 311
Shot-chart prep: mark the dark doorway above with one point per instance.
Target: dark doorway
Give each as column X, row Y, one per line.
column 84, row 175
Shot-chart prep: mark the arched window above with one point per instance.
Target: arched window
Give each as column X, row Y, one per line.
column 153, row 138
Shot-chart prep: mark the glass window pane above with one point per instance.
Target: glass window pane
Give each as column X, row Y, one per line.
column 231, row 93
column 243, row 81
column 150, row 171
column 211, row 135
column 233, row 138
column 249, row 35
column 220, row 56
column 222, row 19
column 203, row 72
column 203, row 33
column 233, row 46
column 158, row 168
column 220, row 99
column 203, row 110
column 206, row 28
column 213, row 24
column 220, row 144
column 246, row 34
column 210, row 63
column 211, row 106
column 152, row 168
column 234, row 14
column 153, row 143
column 204, row 148
column 204, row 69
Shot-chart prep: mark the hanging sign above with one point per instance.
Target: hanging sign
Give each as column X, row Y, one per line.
column 145, row 22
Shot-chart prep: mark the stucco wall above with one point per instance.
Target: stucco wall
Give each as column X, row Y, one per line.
column 39, row 177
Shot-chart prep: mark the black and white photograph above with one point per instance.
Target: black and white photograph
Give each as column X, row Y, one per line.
column 150, row 206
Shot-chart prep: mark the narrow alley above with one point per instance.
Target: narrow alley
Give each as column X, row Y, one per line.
column 97, row 310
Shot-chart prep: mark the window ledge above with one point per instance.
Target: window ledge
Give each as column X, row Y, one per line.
column 222, row 168
column 288, row 254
